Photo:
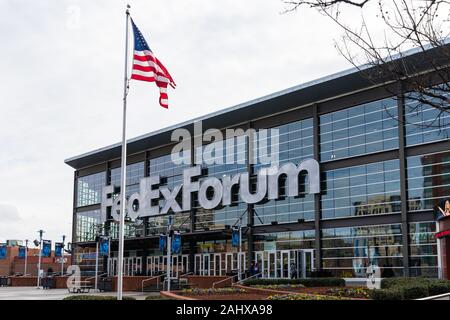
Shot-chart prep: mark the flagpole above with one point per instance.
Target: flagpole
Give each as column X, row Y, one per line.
column 123, row 169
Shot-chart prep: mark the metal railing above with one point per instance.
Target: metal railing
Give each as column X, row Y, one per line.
column 185, row 274
column 253, row 276
column 226, row 279
column 155, row 277
column 100, row 275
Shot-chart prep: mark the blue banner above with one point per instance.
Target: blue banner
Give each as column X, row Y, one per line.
column 22, row 252
column 162, row 242
column 3, row 251
column 59, row 249
column 235, row 238
column 103, row 246
column 46, row 248
column 176, row 243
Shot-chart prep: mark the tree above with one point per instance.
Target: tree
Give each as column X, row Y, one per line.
column 379, row 48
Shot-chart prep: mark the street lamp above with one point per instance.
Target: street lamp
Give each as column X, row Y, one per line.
column 41, row 232
column 62, row 255
column 169, row 251
column 26, row 258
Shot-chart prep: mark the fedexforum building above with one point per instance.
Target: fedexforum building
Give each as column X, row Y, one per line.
column 357, row 183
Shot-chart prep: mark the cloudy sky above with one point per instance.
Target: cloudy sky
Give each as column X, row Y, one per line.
column 62, row 70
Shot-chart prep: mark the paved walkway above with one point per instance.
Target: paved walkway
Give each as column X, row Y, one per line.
column 31, row 293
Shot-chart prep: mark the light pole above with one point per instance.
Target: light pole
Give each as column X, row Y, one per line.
column 26, row 258
column 97, row 240
column 41, row 232
column 62, row 255
column 169, row 252
column 240, row 250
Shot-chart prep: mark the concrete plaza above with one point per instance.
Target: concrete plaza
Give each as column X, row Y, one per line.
column 32, row 293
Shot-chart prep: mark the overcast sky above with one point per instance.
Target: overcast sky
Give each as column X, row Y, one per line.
column 62, row 66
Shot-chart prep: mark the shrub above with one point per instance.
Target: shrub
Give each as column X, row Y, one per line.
column 386, row 294
column 91, row 297
column 414, row 291
column 308, row 282
column 438, row 287
column 356, row 292
column 301, row 296
column 210, row 291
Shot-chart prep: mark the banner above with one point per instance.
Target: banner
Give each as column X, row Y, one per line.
column 162, row 242
column 235, row 238
column 59, row 249
column 46, row 248
column 3, row 251
column 22, row 252
column 176, row 243
column 103, row 246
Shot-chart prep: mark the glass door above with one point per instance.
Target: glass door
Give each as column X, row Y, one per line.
column 272, row 264
column 259, row 262
column 308, row 262
column 217, row 265
column 228, row 263
column 198, row 264
column 285, row 264
column 206, row 265
column 184, row 264
column 174, row 266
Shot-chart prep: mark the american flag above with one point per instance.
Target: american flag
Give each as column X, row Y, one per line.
column 146, row 67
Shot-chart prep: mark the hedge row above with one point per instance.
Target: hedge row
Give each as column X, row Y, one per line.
column 409, row 288
column 309, row 282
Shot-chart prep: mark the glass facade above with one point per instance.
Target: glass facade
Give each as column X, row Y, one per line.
column 428, row 180
column 349, row 191
column 423, row 122
column 229, row 215
column 86, row 227
column 423, row 259
column 135, row 172
column 347, row 252
column 171, row 175
column 285, row 240
column 359, row 130
column 89, row 189
column 361, row 190
column 295, row 144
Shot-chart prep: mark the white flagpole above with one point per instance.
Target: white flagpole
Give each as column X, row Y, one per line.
column 123, row 169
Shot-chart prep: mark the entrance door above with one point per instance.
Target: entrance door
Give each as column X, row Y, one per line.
column 308, row 262
column 198, row 265
column 184, row 264
column 271, row 264
column 259, row 260
column 112, row 267
column 217, row 265
column 228, row 263
column 285, row 264
column 206, row 265
column 305, row 262
column 174, row 266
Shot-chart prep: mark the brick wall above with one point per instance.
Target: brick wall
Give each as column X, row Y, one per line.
column 15, row 265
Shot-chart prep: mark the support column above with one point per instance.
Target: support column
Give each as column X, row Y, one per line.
column 250, row 207
column 403, row 186
column 317, row 216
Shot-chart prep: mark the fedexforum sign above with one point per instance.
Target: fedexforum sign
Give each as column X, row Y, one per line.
column 212, row 192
